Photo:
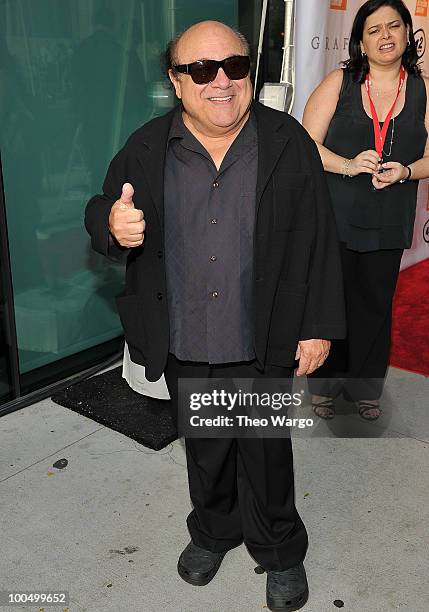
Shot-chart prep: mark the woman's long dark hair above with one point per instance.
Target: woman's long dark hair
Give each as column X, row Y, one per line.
column 357, row 63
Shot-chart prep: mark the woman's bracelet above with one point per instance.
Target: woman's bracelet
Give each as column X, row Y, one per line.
column 408, row 177
column 345, row 168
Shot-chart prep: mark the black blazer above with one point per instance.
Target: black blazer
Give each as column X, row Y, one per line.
column 297, row 286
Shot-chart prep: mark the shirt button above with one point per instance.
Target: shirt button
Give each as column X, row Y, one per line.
column 213, row 258
column 214, row 221
column 215, row 184
column 214, row 294
column 159, row 296
column 160, row 254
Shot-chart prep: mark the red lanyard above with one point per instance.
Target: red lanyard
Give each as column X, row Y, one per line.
column 380, row 134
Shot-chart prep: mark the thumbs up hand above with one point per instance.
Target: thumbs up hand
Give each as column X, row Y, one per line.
column 126, row 198
column 126, row 223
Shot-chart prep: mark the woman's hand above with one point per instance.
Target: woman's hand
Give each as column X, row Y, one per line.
column 367, row 161
column 393, row 172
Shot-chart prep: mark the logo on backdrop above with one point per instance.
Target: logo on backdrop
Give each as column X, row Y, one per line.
column 340, row 5
column 330, row 43
column 420, row 38
column 421, row 8
column 426, row 232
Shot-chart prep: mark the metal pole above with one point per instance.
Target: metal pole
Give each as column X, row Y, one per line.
column 288, row 65
column 281, row 95
column 260, row 42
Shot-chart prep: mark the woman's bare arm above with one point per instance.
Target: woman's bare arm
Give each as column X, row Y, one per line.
column 318, row 114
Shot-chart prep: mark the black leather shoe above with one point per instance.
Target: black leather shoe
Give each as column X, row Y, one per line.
column 198, row 566
column 287, row 590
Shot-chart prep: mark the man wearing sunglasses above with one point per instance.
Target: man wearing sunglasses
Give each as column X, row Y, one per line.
column 221, row 211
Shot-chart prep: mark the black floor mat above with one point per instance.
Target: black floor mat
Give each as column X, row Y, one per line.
column 109, row 400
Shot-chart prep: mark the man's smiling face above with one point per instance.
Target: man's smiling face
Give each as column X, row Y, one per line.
column 218, row 107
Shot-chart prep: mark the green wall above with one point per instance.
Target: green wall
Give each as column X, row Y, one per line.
column 76, row 77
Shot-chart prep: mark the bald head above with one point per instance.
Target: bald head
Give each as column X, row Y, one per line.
column 211, row 31
column 187, row 39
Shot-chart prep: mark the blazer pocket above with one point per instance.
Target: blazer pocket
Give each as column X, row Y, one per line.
column 287, row 196
column 293, row 180
column 130, row 309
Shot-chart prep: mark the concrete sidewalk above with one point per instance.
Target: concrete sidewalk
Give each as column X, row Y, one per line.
column 109, row 527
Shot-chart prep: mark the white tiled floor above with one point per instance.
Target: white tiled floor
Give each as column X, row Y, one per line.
column 116, row 515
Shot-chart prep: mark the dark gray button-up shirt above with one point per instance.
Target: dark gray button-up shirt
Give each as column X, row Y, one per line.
column 209, row 222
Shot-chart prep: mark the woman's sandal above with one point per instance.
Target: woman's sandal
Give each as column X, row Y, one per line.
column 366, row 409
column 323, row 406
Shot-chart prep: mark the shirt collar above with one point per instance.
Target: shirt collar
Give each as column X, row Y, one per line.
column 178, row 128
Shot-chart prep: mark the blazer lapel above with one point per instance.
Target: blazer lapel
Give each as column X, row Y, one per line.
column 151, row 157
column 272, row 139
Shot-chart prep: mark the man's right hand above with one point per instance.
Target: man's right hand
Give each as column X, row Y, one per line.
column 126, row 223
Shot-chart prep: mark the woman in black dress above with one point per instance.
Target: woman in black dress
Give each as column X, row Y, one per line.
column 370, row 123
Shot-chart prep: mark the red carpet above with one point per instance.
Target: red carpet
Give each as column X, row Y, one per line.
column 410, row 331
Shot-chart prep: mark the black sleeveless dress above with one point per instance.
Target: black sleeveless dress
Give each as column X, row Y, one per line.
column 369, row 220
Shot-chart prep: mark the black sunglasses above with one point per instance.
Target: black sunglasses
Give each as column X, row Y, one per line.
column 205, row 71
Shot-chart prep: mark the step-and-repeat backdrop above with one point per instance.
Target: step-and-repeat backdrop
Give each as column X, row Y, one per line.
column 321, row 40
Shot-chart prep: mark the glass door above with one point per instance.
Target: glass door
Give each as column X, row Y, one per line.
column 9, row 377
column 76, row 78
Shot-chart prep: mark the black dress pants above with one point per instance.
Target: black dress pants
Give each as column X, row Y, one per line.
column 361, row 360
column 242, row 489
